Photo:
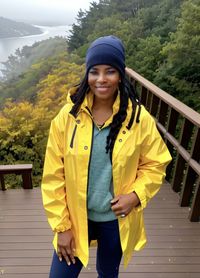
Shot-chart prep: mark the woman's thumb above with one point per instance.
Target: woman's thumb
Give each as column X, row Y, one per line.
column 114, row 201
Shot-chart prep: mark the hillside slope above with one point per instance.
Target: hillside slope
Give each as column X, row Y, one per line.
column 10, row 28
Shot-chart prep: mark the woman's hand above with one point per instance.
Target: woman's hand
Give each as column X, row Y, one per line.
column 66, row 246
column 123, row 204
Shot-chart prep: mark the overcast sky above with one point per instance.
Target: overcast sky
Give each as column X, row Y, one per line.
column 36, row 11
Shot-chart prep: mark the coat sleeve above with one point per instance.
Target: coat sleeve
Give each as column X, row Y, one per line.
column 53, row 181
column 154, row 158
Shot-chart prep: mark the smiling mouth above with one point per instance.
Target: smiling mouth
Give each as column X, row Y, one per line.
column 102, row 87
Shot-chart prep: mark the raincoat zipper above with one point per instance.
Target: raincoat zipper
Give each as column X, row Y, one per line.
column 73, row 135
column 90, row 146
column 89, row 161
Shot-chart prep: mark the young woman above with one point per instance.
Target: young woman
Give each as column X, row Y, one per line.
column 104, row 161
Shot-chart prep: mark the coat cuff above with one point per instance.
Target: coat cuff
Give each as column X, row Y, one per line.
column 141, row 195
column 62, row 228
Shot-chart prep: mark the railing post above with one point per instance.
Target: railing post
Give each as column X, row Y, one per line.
column 148, row 101
column 195, row 208
column 27, row 180
column 186, row 190
column 2, row 182
column 162, row 116
column 154, row 106
column 190, row 175
column 172, row 121
column 185, row 136
column 171, row 128
column 178, row 173
column 143, row 96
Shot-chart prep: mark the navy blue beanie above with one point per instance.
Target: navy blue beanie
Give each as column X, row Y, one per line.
column 107, row 50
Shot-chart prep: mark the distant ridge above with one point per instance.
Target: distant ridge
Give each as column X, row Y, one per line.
column 10, row 28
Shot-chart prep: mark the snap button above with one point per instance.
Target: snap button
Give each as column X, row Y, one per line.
column 85, row 147
column 124, row 132
column 120, row 140
column 78, row 121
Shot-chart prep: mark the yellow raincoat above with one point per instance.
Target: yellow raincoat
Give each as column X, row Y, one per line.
column 139, row 162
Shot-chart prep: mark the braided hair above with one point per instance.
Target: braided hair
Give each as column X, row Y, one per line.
column 127, row 91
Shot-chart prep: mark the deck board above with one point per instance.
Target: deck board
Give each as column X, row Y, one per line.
column 172, row 251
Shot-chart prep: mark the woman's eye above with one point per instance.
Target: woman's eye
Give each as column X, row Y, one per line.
column 93, row 72
column 107, row 72
column 111, row 71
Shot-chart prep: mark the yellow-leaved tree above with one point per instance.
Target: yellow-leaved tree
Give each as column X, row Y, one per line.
column 24, row 125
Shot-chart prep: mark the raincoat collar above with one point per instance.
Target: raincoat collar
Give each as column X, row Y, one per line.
column 87, row 103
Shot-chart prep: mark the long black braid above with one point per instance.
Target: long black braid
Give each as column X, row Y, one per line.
column 127, row 91
column 81, row 90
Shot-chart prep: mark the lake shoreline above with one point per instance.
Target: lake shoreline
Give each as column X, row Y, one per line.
column 13, row 29
column 28, row 35
column 9, row 45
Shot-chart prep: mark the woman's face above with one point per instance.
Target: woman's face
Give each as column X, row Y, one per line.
column 103, row 81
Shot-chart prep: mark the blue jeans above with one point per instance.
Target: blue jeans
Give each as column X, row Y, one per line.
column 109, row 253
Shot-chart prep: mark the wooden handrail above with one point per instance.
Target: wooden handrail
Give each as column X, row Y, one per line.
column 182, row 151
column 18, row 169
column 180, row 127
column 179, row 106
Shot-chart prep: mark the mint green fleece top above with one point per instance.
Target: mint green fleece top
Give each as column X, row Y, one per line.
column 100, row 185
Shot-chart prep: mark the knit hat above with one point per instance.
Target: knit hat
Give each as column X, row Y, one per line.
column 107, row 50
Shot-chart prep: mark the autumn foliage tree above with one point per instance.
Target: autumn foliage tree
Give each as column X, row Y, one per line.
column 24, row 124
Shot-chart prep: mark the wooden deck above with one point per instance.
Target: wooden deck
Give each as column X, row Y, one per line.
column 173, row 249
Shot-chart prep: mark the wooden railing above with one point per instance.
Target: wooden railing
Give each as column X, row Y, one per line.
column 180, row 128
column 19, row 169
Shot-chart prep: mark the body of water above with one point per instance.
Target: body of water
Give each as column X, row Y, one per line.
column 9, row 45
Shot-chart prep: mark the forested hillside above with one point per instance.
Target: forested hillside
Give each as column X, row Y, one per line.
column 24, row 70
column 162, row 41
column 10, row 28
column 161, row 37
column 33, row 99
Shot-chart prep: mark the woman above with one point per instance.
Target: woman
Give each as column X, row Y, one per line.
column 104, row 161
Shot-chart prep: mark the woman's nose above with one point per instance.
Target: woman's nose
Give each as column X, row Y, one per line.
column 101, row 77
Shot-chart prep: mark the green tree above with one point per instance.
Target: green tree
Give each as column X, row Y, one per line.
column 24, row 125
column 181, row 68
column 147, row 57
column 28, row 55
